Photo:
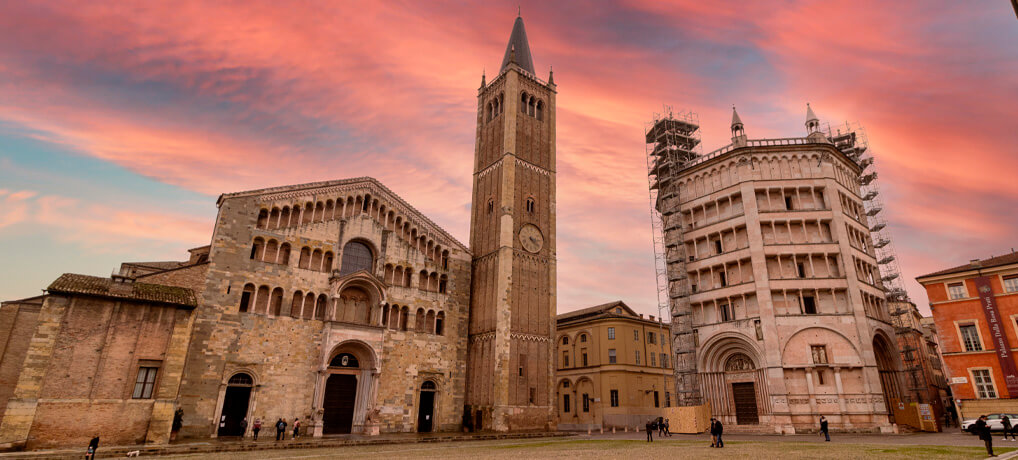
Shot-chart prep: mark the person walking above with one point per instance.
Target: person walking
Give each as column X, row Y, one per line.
column 719, row 429
column 650, row 431
column 713, row 436
column 280, row 429
column 660, row 427
column 668, row 430
column 1006, row 421
column 823, row 428
column 983, row 430
column 243, row 427
column 256, row 427
column 296, row 427
column 93, row 446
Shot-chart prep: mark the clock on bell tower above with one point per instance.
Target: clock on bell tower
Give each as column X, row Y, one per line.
column 512, row 237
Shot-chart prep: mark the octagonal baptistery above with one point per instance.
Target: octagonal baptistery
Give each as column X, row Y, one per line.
column 334, row 303
column 784, row 294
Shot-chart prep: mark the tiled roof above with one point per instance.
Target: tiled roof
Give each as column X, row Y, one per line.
column 1006, row 259
column 71, row 283
column 596, row 310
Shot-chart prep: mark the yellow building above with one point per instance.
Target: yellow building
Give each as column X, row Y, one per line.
column 613, row 368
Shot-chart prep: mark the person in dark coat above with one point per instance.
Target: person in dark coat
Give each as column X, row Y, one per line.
column 823, row 428
column 93, row 446
column 668, row 430
column 713, row 437
column 256, row 427
column 717, row 429
column 983, row 430
column 280, row 430
column 243, row 427
column 1006, row 421
column 650, row 431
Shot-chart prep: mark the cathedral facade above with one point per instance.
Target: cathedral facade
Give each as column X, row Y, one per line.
column 334, row 303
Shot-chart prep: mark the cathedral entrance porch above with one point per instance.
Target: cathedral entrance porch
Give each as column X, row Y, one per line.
column 346, row 389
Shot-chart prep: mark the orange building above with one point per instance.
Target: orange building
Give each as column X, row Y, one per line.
column 975, row 307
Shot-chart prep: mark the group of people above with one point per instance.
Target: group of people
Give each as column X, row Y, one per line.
column 982, row 429
column 280, row 428
column 660, row 425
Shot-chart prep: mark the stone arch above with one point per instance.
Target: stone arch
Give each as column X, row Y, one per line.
column 353, row 257
column 839, row 346
column 716, row 351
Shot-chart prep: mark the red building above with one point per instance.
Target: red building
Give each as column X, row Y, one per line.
column 975, row 307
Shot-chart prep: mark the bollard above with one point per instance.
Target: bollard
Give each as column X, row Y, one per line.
column 626, row 428
column 602, row 429
column 613, row 429
column 588, row 431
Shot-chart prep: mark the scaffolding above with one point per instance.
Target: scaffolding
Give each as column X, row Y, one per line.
column 673, row 143
column 851, row 140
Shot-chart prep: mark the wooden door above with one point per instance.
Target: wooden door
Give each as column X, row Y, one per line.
column 744, row 395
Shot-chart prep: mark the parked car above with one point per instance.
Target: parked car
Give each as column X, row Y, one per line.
column 993, row 420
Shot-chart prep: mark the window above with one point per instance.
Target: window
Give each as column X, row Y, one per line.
column 586, row 402
column 565, row 340
column 809, row 305
column 356, row 256
column 664, row 360
column 583, row 337
column 611, row 356
column 523, row 366
column 533, row 395
column 956, row 291
column 653, row 360
column 970, row 337
column 614, row 394
column 636, row 335
column 565, row 403
column 788, row 203
column 618, row 311
column 565, row 384
column 611, row 333
column 984, row 384
column 650, row 337
column 668, row 399
column 530, row 205
column 491, row 206
column 637, row 356
column 565, row 359
column 820, row 377
column 145, row 383
column 723, row 277
column 717, row 246
column 726, row 312
column 1011, row 283
column 245, row 297
column 584, row 357
column 801, row 269
column 819, row 354
column 657, row 400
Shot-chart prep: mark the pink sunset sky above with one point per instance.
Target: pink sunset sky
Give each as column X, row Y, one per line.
column 121, row 122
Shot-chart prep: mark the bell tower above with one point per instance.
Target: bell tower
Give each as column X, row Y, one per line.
column 510, row 362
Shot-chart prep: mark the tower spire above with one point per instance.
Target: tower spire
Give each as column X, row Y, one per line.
column 738, row 130
column 518, row 49
column 812, row 122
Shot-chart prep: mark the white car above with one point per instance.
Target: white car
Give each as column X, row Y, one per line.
column 993, row 421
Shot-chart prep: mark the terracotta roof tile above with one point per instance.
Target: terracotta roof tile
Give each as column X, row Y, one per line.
column 71, row 283
column 1006, row 259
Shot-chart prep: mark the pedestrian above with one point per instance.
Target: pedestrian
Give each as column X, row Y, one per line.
column 660, row 426
column 256, row 428
column 713, row 434
column 243, row 427
column 93, row 446
column 1006, row 421
column 280, row 429
column 947, row 419
column 983, row 430
column 718, row 430
column 296, row 427
column 668, row 430
column 823, row 428
column 650, row 431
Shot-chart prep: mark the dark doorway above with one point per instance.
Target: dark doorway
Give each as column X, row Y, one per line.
column 235, row 401
column 745, row 403
column 340, row 396
column 426, row 411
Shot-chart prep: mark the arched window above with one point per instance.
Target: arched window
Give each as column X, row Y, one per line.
column 257, row 249
column 261, row 300
column 491, row 206
column 240, row 380
column 443, row 284
column 531, row 107
column 295, row 304
column 523, row 103
column 320, row 308
column 327, row 262
column 403, row 315
column 565, row 340
column 284, row 217
column 273, row 218
column 419, row 319
column 445, row 260
column 530, row 205
column 309, row 211
column 422, row 280
column 263, row 218
column 316, row 260
column 540, row 110
column 344, row 360
column 276, row 303
column 430, row 320
column 428, row 385
column 309, row 306
column 440, row 323
column 284, row 254
column 305, row 257
column 271, row 251
column 356, row 256
column 246, row 297
column 583, row 337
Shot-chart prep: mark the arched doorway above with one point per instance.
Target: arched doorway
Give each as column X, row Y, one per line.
column 340, row 395
column 888, row 372
column 235, row 403
column 743, row 392
column 426, row 407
